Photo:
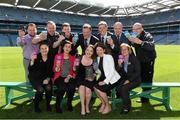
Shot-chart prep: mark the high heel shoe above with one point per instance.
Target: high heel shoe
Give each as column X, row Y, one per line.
column 88, row 112
column 107, row 110
column 83, row 114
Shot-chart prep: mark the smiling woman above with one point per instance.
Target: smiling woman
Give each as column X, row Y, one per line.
column 11, row 62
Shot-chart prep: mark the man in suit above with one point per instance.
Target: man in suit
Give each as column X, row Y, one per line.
column 86, row 37
column 146, row 54
column 118, row 38
column 103, row 32
column 106, row 37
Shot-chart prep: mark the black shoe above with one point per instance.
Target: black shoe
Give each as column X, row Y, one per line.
column 69, row 107
column 124, row 111
column 88, row 113
column 48, row 108
column 37, row 110
column 59, row 110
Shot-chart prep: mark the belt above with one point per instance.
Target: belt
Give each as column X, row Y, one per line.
column 26, row 58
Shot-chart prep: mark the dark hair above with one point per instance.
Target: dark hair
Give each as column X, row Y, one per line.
column 22, row 28
column 100, row 44
column 63, row 43
column 43, row 43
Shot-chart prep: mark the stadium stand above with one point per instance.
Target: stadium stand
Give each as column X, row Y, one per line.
column 165, row 26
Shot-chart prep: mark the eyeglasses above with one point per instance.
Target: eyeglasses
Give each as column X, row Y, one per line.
column 137, row 29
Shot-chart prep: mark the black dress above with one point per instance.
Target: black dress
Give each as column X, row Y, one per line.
column 85, row 73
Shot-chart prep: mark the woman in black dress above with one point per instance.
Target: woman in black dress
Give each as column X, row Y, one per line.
column 86, row 79
column 40, row 70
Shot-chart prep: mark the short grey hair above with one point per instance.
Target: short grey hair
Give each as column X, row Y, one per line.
column 118, row 23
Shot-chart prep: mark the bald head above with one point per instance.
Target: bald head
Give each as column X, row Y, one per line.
column 118, row 28
column 51, row 27
column 138, row 28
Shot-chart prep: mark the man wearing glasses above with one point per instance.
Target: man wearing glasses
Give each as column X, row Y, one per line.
column 146, row 53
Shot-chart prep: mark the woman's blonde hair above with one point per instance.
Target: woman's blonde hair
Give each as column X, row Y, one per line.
column 126, row 45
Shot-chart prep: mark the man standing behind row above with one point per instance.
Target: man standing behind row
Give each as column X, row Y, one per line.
column 146, row 54
column 104, row 37
column 50, row 37
column 86, row 38
column 28, row 48
column 66, row 32
column 112, row 41
column 119, row 36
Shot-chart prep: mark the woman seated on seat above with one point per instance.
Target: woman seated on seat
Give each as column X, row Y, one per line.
column 86, row 79
column 40, row 76
column 129, row 69
column 64, row 76
column 108, row 79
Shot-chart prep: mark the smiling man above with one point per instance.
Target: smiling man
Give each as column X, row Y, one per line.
column 146, row 53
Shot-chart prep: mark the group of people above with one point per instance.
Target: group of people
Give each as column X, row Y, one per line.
column 108, row 61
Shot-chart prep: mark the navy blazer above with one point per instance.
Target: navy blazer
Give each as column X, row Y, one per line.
column 133, row 73
column 121, row 40
column 117, row 43
column 112, row 51
column 80, row 41
column 99, row 35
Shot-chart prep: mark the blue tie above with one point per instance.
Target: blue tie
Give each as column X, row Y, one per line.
column 102, row 39
column 85, row 43
column 126, row 65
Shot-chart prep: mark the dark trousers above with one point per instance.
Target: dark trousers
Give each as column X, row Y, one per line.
column 123, row 92
column 63, row 87
column 147, row 71
column 40, row 89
